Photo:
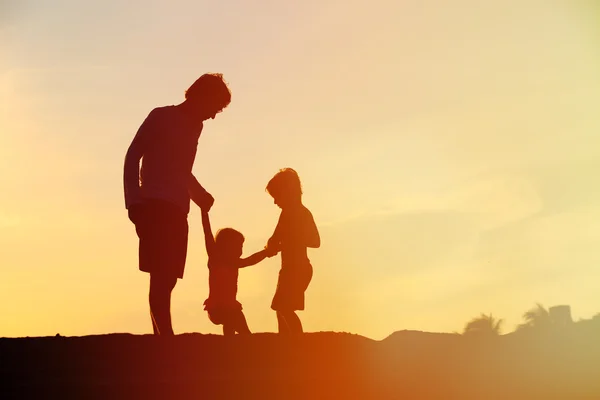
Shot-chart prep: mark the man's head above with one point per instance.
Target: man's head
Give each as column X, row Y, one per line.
column 208, row 96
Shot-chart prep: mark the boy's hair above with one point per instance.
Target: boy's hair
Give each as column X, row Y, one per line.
column 285, row 182
column 228, row 235
column 210, row 87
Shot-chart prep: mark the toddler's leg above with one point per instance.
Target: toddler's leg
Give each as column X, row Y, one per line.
column 241, row 326
column 228, row 329
column 235, row 321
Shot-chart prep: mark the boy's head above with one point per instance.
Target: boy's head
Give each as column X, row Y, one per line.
column 209, row 95
column 229, row 242
column 285, row 187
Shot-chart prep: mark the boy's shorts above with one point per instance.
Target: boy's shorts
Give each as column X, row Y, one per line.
column 163, row 232
column 291, row 285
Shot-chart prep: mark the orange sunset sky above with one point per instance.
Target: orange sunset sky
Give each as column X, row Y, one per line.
column 449, row 152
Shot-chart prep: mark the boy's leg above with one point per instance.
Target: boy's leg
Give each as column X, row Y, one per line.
column 294, row 323
column 282, row 325
column 161, row 286
column 291, row 321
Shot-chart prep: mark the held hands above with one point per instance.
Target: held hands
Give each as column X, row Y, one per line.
column 272, row 248
column 207, row 202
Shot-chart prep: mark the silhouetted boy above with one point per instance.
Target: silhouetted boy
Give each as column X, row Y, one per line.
column 295, row 231
column 158, row 196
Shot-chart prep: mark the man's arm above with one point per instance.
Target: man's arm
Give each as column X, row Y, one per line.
column 131, row 170
column 199, row 195
column 253, row 259
column 209, row 240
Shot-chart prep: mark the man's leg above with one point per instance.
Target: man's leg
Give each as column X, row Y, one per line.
column 154, row 326
column 161, row 287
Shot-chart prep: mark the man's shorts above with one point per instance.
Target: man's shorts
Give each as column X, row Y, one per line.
column 163, row 232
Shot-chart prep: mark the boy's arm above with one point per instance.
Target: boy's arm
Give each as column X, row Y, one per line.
column 274, row 242
column 313, row 239
column 209, row 240
column 253, row 259
column 198, row 194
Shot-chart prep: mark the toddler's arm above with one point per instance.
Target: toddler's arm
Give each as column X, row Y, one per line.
column 253, row 259
column 199, row 195
column 209, row 240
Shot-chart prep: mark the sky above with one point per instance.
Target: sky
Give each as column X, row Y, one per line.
column 448, row 151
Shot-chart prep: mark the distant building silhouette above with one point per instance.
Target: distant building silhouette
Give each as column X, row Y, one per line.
column 560, row 315
column 551, row 318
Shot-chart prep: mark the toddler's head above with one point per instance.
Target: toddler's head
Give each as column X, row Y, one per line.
column 229, row 243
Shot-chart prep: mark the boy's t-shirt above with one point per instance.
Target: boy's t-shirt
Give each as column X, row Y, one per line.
column 293, row 227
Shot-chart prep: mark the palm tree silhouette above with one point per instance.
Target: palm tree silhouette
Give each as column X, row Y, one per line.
column 538, row 317
column 484, row 325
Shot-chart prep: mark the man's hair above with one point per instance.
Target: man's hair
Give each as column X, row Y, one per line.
column 285, row 182
column 210, row 87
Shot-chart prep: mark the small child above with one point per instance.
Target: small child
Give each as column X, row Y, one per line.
column 295, row 231
column 224, row 260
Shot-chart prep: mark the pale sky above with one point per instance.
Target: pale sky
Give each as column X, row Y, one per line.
column 449, row 152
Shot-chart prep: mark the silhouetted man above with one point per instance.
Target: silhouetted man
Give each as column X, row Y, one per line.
column 158, row 196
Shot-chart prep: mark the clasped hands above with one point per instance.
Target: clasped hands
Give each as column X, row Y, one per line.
column 272, row 248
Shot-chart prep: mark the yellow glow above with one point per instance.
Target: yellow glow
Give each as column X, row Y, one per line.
column 448, row 151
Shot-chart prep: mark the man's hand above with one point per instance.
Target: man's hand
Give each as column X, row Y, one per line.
column 207, row 202
column 135, row 212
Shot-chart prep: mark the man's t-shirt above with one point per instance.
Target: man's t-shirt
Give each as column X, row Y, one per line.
column 166, row 142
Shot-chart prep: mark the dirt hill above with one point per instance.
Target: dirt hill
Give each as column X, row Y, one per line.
column 557, row 364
